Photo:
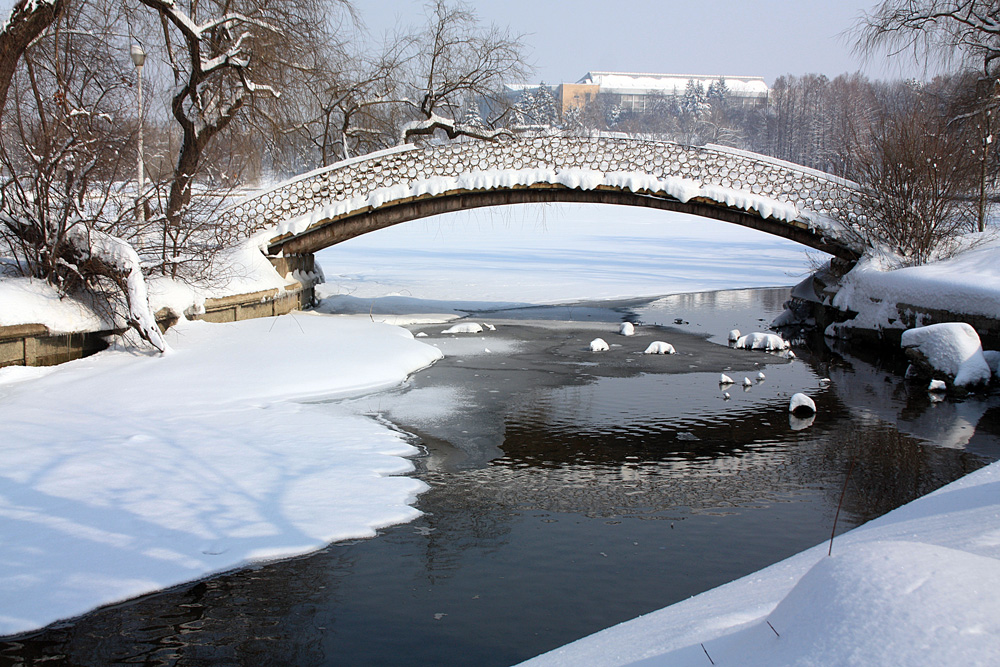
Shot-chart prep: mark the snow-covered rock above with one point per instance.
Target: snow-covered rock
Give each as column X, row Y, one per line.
column 992, row 358
column 627, row 329
column 937, row 385
column 762, row 341
column 950, row 348
column 802, row 405
column 659, row 347
column 761, row 377
column 747, row 382
column 599, row 345
column 465, row 327
column 725, row 379
column 734, row 335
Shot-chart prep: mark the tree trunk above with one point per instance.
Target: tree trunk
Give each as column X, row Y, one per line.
column 27, row 21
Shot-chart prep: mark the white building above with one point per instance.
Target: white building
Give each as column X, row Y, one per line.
column 631, row 91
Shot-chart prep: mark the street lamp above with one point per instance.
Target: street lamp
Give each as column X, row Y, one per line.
column 139, row 59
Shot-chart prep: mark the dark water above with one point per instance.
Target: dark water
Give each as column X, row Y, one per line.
column 568, row 493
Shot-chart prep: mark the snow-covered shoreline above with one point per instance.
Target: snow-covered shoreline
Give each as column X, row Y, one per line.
column 126, row 473
column 916, row 586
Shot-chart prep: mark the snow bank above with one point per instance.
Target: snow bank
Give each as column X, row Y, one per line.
column 659, row 347
column 968, row 284
column 31, row 301
column 916, row 586
column 163, row 469
column 992, row 358
column 952, row 348
column 239, row 270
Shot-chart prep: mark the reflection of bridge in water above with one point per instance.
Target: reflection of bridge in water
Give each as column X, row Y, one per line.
column 382, row 189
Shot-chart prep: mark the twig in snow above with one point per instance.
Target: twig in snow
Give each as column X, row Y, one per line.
column 843, row 492
column 707, row 655
column 772, row 627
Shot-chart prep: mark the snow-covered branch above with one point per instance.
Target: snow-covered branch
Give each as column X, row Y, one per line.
column 452, row 128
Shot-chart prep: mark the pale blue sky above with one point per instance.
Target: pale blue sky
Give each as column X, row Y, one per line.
column 737, row 37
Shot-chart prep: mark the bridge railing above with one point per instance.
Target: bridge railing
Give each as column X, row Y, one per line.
column 810, row 191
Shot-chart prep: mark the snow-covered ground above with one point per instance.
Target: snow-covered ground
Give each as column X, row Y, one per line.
column 968, row 282
column 125, row 472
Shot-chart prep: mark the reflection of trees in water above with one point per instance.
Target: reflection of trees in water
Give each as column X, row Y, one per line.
column 740, row 459
column 891, row 468
column 764, row 300
column 273, row 615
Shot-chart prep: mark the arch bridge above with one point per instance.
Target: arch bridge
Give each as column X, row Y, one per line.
column 374, row 191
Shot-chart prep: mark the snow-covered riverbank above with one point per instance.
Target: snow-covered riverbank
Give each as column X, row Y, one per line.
column 125, row 473
column 917, row 586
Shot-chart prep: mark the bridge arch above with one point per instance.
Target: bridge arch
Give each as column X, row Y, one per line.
column 382, row 189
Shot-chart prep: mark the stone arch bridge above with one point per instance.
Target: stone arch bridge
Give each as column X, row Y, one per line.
column 374, row 191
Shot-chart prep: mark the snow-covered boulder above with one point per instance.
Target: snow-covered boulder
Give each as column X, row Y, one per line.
column 734, row 335
column 992, row 358
column 627, row 329
column 951, row 349
column 801, row 405
column 937, row 385
column 762, row 341
column 725, row 379
column 659, row 347
column 465, row 327
column 747, row 382
column 761, row 377
column 599, row 345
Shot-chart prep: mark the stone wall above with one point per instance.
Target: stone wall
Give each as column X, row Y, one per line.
column 35, row 345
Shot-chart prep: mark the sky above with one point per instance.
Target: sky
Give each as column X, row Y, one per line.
column 766, row 38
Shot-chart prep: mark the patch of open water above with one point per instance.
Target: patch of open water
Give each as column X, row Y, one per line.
column 569, row 491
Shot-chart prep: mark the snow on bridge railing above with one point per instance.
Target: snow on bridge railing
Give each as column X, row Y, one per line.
column 825, row 201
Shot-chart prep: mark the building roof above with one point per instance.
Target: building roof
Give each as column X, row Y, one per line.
column 638, row 83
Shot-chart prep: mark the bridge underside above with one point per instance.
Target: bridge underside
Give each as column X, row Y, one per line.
column 326, row 233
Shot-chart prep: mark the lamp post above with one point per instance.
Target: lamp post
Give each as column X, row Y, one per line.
column 139, row 59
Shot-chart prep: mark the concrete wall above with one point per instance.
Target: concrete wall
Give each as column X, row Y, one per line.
column 35, row 345
column 268, row 303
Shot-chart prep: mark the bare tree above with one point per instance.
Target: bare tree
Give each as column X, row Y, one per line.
column 963, row 32
column 229, row 60
column 60, row 154
column 355, row 99
column 967, row 30
column 28, row 19
column 918, row 175
column 460, row 60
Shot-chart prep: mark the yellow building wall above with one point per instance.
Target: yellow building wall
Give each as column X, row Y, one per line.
column 576, row 95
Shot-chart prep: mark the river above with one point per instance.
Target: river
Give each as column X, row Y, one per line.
column 569, row 491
